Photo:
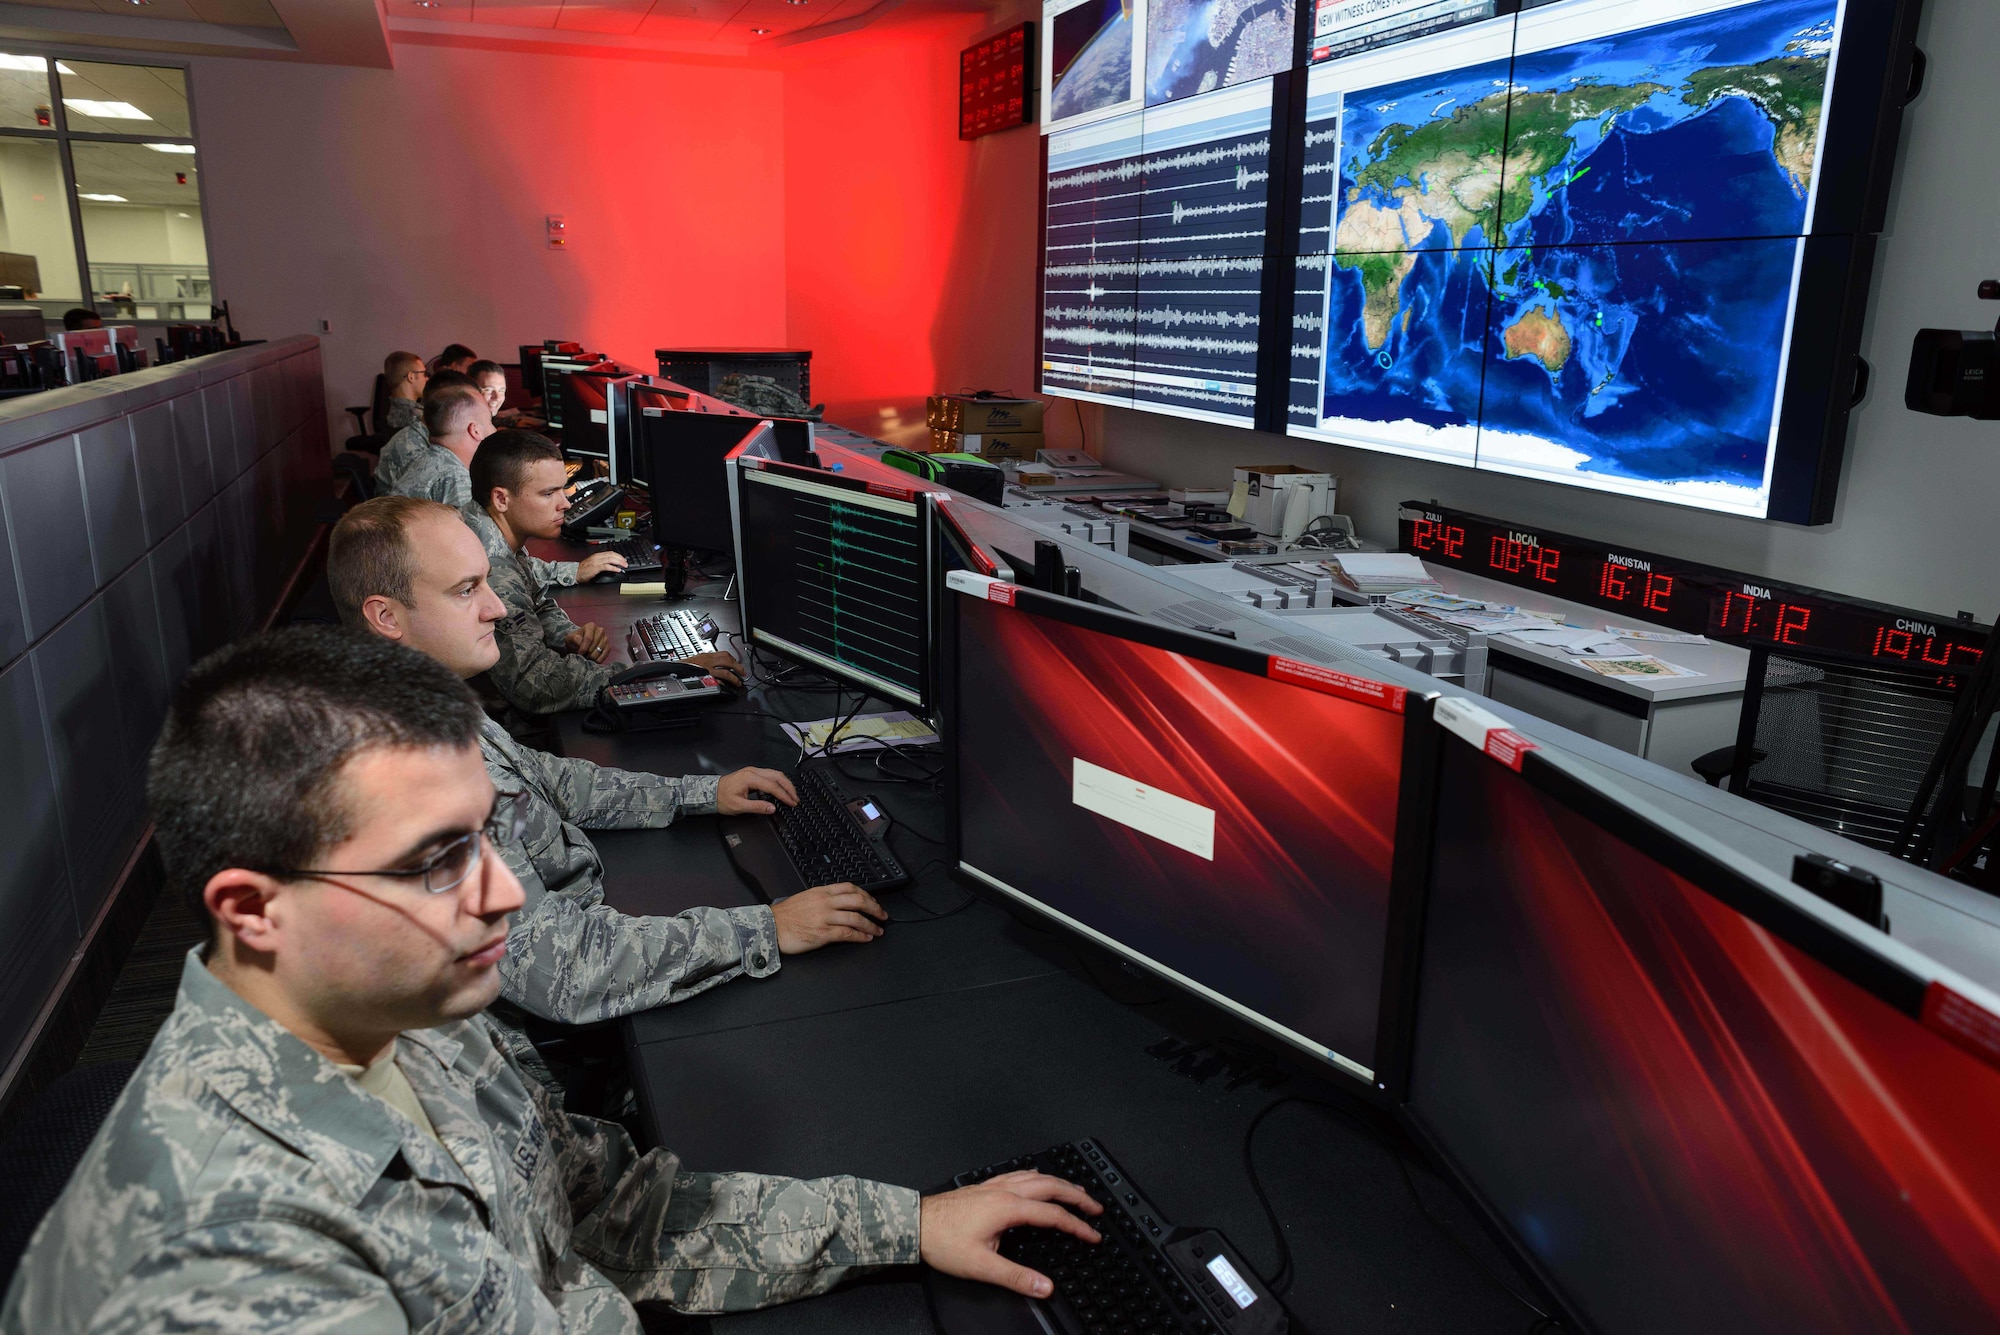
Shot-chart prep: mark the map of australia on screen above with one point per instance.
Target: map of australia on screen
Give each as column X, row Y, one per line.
column 1581, row 264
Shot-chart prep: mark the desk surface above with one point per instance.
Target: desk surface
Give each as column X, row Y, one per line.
column 963, row 1036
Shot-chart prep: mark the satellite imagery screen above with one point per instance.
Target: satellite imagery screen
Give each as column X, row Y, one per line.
column 1579, row 262
column 1197, row 46
column 1090, row 58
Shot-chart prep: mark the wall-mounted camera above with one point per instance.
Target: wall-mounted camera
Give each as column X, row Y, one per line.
column 1956, row 372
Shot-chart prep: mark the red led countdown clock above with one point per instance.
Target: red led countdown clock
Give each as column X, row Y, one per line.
column 1721, row 604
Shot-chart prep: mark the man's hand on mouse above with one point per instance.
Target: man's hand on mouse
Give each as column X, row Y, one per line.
column 723, row 667
column 826, row 914
column 749, row 792
column 598, row 563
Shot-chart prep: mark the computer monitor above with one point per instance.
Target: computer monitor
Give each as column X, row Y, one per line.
column 586, row 416
column 554, row 368
column 684, row 459
column 1696, row 1097
column 643, row 397
column 1221, row 817
column 835, row 572
column 518, row 397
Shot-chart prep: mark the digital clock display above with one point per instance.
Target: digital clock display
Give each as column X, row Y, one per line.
column 993, row 83
column 1704, row 600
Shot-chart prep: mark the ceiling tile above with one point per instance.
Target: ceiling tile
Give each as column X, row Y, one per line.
column 152, row 9
column 618, row 17
column 238, row 13
column 459, row 11
column 518, row 13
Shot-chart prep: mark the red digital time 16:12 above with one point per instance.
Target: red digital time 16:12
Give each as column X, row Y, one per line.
column 1619, row 583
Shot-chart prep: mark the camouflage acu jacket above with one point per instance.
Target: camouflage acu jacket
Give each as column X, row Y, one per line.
column 436, row 475
column 571, row 957
column 404, row 448
column 534, row 672
column 242, row 1184
column 399, row 413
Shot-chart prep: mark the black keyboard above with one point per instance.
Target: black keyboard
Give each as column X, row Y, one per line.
column 1147, row 1276
column 641, row 553
column 671, row 635
column 826, row 842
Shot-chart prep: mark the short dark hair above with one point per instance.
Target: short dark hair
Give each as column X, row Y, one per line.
column 444, row 380
column 81, row 317
column 246, row 772
column 484, row 367
column 447, row 412
column 502, row 461
column 368, row 552
column 456, row 352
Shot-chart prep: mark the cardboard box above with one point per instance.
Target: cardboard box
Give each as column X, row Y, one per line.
column 995, row 446
column 967, row 413
column 1262, row 497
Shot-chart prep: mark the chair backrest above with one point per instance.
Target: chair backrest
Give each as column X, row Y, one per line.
column 1844, row 745
column 379, row 404
column 36, row 1160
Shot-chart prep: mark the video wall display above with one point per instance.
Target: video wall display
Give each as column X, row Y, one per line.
column 1618, row 244
column 1156, row 225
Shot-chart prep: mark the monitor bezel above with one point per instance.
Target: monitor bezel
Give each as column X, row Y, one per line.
column 1412, row 813
column 923, row 701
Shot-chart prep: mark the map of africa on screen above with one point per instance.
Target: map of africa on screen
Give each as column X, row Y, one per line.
column 1582, row 266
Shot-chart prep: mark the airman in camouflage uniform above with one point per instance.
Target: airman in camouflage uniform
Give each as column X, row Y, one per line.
column 437, row 474
column 534, row 672
column 762, row 394
column 574, row 959
column 243, row 1183
column 398, row 414
column 403, row 449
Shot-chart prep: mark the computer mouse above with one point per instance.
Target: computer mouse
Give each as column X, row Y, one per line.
column 608, row 577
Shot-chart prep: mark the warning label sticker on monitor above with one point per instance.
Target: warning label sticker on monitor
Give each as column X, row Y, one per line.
column 1186, row 825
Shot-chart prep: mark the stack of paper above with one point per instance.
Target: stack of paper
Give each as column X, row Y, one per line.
column 1377, row 573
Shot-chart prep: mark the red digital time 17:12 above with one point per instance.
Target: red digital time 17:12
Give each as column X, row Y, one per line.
column 1619, row 584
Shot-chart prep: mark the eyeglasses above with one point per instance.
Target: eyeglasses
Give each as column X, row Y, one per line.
column 447, row 868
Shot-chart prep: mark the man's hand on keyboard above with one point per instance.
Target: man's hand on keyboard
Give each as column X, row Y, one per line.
column 733, row 792
column 589, row 641
column 826, row 914
column 723, row 667
column 959, row 1232
column 596, row 564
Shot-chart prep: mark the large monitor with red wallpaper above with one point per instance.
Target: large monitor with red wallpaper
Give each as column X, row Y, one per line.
column 1224, row 818
column 1694, row 1100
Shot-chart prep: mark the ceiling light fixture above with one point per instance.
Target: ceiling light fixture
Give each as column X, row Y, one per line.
column 39, row 64
column 105, row 111
column 760, row 32
column 798, row 2
column 171, row 148
column 103, row 199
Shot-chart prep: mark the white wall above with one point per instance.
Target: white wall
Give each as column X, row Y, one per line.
column 125, row 234
column 1918, row 520
column 407, row 206
column 186, row 243
column 34, row 213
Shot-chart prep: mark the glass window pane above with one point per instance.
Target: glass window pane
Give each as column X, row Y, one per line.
column 124, row 99
column 37, row 249
column 24, row 92
column 142, row 230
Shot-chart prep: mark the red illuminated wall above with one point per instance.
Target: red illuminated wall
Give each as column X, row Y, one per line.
column 815, row 195
column 911, row 254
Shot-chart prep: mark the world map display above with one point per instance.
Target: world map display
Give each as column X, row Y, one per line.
column 1581, row 261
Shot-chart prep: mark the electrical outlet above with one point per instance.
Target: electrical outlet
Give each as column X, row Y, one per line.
column 326, row 326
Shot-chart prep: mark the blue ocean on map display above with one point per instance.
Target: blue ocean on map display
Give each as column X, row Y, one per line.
column 1652, row 361
column 1617, row 346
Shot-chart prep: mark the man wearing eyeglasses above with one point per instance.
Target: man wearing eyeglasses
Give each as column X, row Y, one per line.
column 410, row 571
column 326, row 1135
column 404, row 377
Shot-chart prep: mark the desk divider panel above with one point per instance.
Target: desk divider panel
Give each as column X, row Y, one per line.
column 145, row 520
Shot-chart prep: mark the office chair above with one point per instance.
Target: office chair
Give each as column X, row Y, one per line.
column 377, row 405
column 37, row 1159
column 1836, row 744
